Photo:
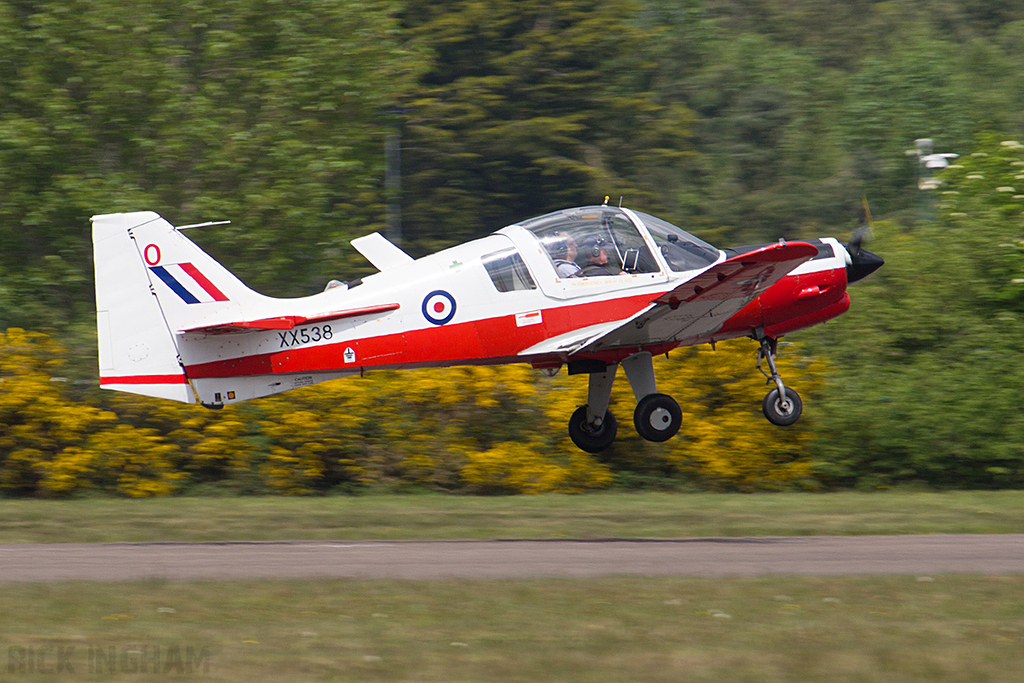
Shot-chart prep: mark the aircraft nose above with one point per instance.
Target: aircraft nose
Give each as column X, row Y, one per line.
column 862, row 264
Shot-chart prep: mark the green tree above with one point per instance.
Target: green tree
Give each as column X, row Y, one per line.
column 927, row 386
column 528, row 107
column 265, row 113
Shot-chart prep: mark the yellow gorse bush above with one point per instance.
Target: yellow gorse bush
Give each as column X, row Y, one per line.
column 476, row 429
column 724, row 442
column 513, row 467
column 49, row 445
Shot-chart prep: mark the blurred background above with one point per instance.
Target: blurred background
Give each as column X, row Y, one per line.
column 308, row 123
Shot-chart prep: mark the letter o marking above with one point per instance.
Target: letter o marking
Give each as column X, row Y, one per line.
column 152, row 254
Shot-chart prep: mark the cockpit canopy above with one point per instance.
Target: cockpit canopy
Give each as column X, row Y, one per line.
column 681, row 250
column 578, row 235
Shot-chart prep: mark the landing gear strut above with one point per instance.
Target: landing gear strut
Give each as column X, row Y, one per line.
column 781, row 406
column 657, row 416
column 593, row 427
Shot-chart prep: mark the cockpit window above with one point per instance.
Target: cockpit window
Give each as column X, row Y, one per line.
column 507, row 271
column 594, row 240
column 681, row 250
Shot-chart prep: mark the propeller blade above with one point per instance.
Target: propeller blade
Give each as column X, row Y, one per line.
column 867, row 210
column 863, row 233
column 857, row 240
column 863, row 262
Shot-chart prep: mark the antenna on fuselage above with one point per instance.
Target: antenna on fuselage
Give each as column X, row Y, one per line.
column 200, row 225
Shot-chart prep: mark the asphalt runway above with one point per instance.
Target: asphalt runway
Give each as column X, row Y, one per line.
column 708, row 557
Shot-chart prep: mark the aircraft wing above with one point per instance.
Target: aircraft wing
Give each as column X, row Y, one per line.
column 287, row 322
column 701, row 305
column 571, row 342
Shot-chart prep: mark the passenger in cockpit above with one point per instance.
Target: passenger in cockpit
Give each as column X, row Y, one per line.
column 563, row 253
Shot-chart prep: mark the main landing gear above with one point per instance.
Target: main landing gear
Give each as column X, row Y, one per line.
column 657, row 416
column 781, row 406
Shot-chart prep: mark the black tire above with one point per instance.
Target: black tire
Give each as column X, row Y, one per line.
column 779, row 415
column 586, row 438
column 657, row 417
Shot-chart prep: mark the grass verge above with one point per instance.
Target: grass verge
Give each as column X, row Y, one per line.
column 429, row 517
column 944, row 628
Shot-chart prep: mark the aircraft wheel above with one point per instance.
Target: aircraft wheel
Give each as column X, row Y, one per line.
column 657, row 417
column 779, row 414
column 586, row 437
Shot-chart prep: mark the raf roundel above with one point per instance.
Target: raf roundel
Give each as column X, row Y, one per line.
column 439, row 307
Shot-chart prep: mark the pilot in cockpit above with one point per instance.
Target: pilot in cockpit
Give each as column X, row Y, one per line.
column 595, row 250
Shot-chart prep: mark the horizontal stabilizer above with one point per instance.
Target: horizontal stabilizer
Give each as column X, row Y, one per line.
column 383, row 254
column 287, row 322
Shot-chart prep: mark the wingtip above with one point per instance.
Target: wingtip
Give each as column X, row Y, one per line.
column 781, row 251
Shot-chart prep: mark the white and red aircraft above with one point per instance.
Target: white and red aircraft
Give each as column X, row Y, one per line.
column 591, row 288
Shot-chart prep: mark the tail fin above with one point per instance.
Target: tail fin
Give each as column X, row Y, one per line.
column 151, row 282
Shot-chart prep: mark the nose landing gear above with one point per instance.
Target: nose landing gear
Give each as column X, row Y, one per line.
column 781, row 406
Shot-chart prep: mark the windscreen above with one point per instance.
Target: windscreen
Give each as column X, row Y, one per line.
column 681, row 250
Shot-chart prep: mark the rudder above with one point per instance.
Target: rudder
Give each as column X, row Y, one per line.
column 137, row 350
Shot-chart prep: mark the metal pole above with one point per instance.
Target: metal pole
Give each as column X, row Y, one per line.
column 393, row 183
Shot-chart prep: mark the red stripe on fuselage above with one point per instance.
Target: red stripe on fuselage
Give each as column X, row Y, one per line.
column 475, row 341
column 500, row 339
column 144, row 379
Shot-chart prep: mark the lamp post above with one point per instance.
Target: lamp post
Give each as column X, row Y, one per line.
column 393, row 184
column 927, row 162
column 393, row 175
